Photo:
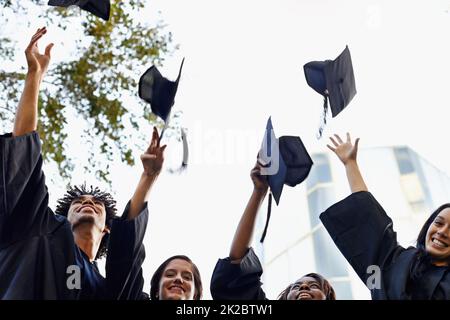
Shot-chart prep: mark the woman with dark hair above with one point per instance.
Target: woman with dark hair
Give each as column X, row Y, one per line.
column 364, row 234
column 238, row 277
column 177, row 278
column 435, row 221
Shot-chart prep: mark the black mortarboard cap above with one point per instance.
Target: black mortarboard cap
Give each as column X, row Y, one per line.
column 158, row 91
column 296, row 158
column 334, row 79
column 100, row 8
column 294, row 164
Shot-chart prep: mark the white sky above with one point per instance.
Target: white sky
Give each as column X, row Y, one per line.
column 244, row 63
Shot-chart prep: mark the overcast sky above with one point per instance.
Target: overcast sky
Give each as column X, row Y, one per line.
column 244, row 63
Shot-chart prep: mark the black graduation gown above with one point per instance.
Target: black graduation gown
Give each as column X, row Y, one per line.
column 363, row 233
column 126, row 253
column 238, row 281
column 37, row 247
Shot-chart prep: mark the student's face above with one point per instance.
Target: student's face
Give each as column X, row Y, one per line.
column 87, row 210
column 306, row 288
column 177, row 281
column 437, row 241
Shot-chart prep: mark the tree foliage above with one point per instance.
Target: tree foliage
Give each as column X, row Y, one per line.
column 96, row 83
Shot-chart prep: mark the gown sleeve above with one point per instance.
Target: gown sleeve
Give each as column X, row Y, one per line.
column 23, row 194
column 126, row 253
column 238, row 281
column 363, row 232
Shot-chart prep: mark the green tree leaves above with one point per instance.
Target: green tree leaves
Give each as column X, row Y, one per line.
column 95, row 86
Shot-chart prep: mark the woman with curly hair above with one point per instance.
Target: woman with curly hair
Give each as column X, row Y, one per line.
column 44, row 255
column 311, row 286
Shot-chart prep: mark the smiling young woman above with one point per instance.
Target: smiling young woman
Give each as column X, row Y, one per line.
column 434, row 237
column 364, row 234
column 311, row 286
column 177, row 278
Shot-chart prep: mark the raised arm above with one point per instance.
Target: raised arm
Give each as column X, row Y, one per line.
column 244, row 231
column 126, row 252
column 347, row 153
column 361, row 229
column 24, row 206
column 27, row 110
column 152, row 161
column 238, row 277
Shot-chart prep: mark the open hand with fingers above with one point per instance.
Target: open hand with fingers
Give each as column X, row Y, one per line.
column 259, row 182
column 153, row 158
column 38, row 62
column 345, row 151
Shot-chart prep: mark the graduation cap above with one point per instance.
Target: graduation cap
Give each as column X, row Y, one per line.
column 285, row 161
column 160, row 93
column 100, row 8
column 334, row 79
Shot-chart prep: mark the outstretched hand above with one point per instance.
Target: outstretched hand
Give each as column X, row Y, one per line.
column 38, row 62
column 259, row 182
column 345, row 151
column 153, row 158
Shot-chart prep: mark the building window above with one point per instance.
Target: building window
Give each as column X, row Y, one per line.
column 343, row 289
column 319, row 187
column 405, row 165
column 409, row 180
column 413, row 191
column 318, row 201
column 320, row 171
column 329, row 261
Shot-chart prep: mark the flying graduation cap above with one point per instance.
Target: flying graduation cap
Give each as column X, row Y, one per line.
column 160, row 93
column 334, row 80
column 285, row 161
column 100, row 8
